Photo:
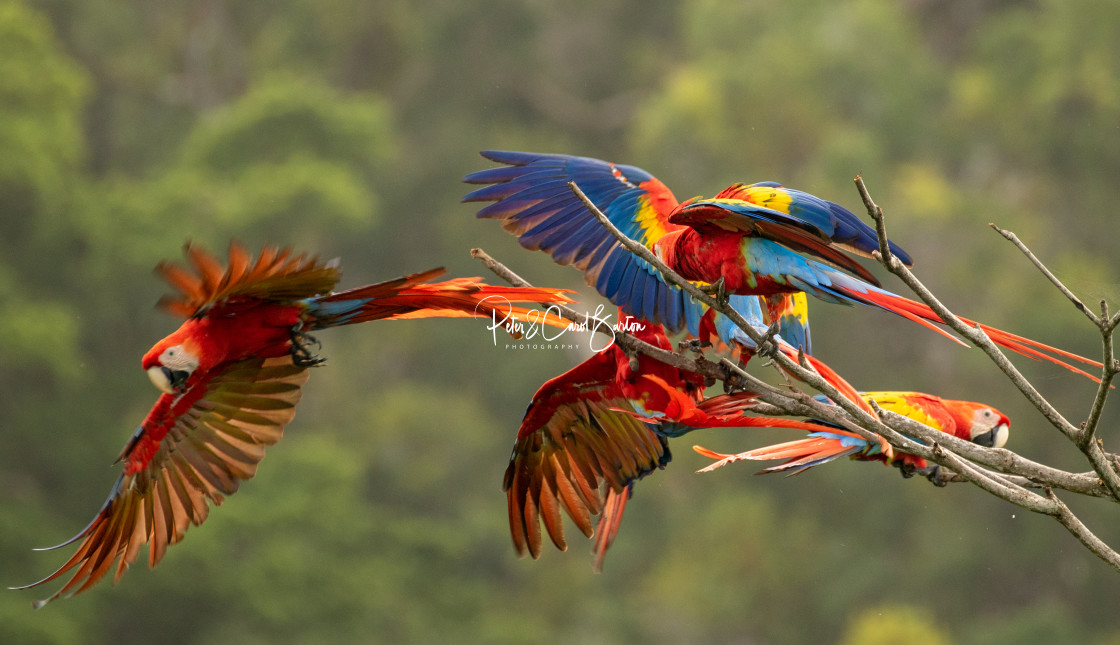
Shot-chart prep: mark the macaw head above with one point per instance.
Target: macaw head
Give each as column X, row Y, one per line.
column 989, row 428
column 170, row 363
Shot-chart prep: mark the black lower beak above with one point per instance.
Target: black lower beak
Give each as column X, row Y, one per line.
column 988, row 439
column 177, row 378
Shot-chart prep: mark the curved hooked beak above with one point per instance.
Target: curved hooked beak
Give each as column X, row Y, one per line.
column 994, row 438
column 167, row 380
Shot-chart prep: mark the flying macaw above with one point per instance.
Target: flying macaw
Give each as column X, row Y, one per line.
column 605, row 424
column 759, row 239
column 976, row 422
column 230, row 378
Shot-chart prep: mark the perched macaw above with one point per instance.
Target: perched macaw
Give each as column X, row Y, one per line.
column 759, row 239
column 976, row 422
column 605, row 423
column 230, row 378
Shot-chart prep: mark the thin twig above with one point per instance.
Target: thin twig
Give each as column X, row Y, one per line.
column 1074, row 525
column 994, row 483
column 1089, row 428
column 1014, row 239
column 876, row 214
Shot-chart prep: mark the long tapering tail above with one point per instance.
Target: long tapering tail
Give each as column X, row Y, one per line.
column 409, row 297
column 821, row 447
column 853, row 290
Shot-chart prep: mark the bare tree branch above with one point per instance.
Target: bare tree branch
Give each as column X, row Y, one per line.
column 1014, row 239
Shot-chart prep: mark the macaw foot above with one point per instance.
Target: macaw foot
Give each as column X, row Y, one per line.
column 694, row 345
column 768, row 347
column 717, row 291
column 934, row 474
column 302, row 355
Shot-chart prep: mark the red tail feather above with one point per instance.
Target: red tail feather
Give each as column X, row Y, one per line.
column 461, row 297
column 921, row 313
column 800, row 453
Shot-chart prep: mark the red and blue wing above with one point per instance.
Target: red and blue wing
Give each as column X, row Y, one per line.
column 839, row 224
column 533, row 201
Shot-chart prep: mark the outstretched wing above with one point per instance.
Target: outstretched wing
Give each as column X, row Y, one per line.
column 533, row 201
column 275, row 274
column 571, row 443
column 215, row 436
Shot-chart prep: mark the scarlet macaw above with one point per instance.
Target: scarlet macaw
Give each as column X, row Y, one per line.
column 605, row 423
column 760, row 239
column 975, row 422
column 231, row 377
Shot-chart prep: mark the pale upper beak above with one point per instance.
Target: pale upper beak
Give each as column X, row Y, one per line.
column 994, row 438
column 167, row 380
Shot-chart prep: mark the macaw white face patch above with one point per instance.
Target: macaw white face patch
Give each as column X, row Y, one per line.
column 178, row 359
column 175, row 367
column 986, row 420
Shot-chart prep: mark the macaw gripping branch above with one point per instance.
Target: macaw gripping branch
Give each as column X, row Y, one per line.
column 1003, row 473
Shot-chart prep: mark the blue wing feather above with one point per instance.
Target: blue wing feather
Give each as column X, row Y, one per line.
column 532, row 198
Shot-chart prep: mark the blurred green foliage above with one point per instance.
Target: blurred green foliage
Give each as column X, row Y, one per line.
column 887, row 625
column 343, row 128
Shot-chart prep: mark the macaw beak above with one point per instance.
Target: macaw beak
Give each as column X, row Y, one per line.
column 167, row 380
column 987, row 439
column 994, row 438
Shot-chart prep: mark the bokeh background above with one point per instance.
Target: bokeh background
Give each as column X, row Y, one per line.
column 343, row 127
